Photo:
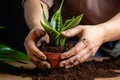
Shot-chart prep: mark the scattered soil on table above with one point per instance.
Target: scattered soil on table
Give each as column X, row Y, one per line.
column 85, row 71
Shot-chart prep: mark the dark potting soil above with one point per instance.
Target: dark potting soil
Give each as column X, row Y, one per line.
column 59, row 49
column 85, row 71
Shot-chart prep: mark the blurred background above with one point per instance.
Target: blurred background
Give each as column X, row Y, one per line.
column 12, row 17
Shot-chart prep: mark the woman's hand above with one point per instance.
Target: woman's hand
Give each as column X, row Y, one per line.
column 90, row 39
column 34, row 39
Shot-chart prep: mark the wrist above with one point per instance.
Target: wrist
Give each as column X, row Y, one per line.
column 36, row 26
column 104, row 31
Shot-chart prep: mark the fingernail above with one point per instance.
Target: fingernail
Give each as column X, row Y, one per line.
column 43, row 57
column 63, row 32
column 67, row 67
column 62, row 64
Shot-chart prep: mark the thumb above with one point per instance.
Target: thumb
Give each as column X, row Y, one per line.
column 45, row 38
column 40, row 33
column 72, row 32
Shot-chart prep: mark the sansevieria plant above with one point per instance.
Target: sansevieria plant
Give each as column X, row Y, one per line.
column 55, row 26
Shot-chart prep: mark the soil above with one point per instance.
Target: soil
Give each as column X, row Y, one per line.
column 85, row 71
column 59, row 49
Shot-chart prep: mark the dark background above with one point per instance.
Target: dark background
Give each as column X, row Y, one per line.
column 12, row 17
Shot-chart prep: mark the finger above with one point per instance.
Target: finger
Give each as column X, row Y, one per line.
column 35, row 34
column 39, row 54
column 86, row 57
column 90, row 53
column 43, row 64
column 75, row 59
column 45, row 38
column 40, row 63
column 84, row 54
column 72, row 32
column 72, row 63
column 75, row 50
column 36, row 52
column 64, row 63
column 68, row 64
column 32, row 49
column 76, row 62
column 33, row 58
column 38, row 34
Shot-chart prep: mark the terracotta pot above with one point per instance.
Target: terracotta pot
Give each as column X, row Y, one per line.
column 54, row 59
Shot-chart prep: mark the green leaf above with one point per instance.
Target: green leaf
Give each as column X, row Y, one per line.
column 44, row 17
column 51, row 32
column 53, row 21
column 73, row 22
column 55, row 26
column 56, row 41
column 9, row 54
column 1, row 27
column 20, row 56
column 56, row 21
column 68, row 21
column 59, row 23
column 62, row 41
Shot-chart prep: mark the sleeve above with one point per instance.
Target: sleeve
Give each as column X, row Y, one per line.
column 49, row 3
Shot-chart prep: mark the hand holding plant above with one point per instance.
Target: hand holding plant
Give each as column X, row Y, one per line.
column 54, row 27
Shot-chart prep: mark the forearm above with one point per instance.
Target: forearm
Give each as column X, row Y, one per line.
column 112, row 28
column 33, row 13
